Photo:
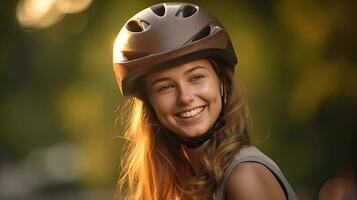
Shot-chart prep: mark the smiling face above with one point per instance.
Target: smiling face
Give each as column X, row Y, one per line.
column 186, row 98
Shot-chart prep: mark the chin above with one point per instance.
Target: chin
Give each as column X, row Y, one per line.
column 193, row 133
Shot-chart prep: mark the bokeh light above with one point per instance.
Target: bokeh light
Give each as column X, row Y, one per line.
column 45, row 13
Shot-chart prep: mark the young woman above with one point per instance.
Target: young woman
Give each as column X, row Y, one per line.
column 188, row 130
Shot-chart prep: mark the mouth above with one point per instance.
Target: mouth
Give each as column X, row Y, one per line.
column 191, row 113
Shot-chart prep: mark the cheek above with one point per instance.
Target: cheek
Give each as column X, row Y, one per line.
column 211, row 92
column 162, row 106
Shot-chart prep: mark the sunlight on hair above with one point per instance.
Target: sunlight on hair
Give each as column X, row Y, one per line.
column 137, row 117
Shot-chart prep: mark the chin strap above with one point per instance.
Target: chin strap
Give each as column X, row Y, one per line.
column 198, row 141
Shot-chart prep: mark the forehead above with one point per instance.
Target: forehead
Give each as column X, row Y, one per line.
column 204, row 64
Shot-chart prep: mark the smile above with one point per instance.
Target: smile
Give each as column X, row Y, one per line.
column 191, row 113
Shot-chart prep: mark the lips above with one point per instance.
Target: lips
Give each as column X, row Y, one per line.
column 191, row 113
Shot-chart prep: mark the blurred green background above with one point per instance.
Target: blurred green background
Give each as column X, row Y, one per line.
column 59, row 105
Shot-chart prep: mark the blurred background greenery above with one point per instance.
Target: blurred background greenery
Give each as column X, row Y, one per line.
column 59, row 124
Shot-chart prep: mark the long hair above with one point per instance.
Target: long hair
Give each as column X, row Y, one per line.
column 156, row 168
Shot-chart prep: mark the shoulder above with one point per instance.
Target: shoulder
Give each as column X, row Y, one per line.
column 251, row 180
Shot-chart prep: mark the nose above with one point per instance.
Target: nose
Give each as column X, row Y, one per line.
column 184, row 95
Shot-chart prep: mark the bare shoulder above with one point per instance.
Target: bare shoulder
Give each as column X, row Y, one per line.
column 250, row 180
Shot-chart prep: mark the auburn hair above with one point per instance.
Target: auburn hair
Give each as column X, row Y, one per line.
column 154, row 167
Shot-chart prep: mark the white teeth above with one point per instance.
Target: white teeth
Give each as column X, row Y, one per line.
column 191, row 113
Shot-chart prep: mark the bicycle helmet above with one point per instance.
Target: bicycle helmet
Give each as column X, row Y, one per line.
column 164, row 35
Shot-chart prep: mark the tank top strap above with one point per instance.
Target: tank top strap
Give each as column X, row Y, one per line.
column 252, row 154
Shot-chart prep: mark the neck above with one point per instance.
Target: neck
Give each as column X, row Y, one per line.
column 195, row 156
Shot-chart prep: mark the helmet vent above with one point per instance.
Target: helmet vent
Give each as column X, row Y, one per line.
column 158, row 9
column 186, row 11
column 144, row 25
column 201, row 34
column 134, row 26
column 132, row 55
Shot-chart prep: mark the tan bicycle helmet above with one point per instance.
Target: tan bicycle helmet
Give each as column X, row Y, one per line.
column 167, row 34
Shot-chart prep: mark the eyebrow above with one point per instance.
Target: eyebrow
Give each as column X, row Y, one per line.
column 159, row 80
column 194, row 68
column 185, row 73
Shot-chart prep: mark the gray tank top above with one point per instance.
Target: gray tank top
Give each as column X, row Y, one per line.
column 252, row 154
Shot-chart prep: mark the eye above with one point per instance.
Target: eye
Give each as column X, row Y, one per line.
column 197, row 77
column 165, row 87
